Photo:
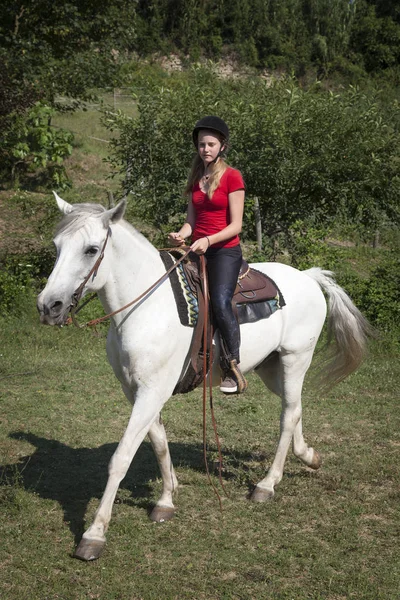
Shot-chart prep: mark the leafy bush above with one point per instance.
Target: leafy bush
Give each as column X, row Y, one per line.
column 378, row 296
column 21, row 276
column 15, row 287
column 31, row 144
column 308, row 156
column 307, row 247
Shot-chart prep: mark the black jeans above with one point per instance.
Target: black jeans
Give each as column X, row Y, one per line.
column 223, row 266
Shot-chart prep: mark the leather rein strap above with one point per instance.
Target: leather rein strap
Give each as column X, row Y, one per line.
column 76, row 296
column 204, row 279
column 78, row 293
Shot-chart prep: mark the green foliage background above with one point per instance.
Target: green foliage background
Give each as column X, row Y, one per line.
column 309, row 156
column 322, row 159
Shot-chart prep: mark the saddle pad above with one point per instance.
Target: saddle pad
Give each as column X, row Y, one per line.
column 250, row 309
column 255, row 311
column 185, row 298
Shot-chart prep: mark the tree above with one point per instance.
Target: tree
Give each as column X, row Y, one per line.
column 64, row 47
column 51, row 48
column 376, row 36
column 29, row 144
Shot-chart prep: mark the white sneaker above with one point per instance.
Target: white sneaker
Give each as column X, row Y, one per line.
column 228, row 385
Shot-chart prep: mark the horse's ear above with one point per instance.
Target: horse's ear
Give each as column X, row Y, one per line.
column 62, row 205
column 113, row 215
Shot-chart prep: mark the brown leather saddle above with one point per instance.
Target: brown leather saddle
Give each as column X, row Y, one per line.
column 252, row 286
column 256, row 297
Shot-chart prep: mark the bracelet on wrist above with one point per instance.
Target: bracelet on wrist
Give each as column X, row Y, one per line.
column 208, row 240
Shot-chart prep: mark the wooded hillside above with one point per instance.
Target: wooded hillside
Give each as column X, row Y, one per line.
column 292, row 34
column 57, row 46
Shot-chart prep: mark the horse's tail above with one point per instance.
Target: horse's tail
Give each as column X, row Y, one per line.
column 347, row 328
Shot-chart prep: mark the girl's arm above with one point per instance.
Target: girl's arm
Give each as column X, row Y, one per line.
column 178, row 238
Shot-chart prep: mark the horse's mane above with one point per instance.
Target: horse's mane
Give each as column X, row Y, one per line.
column 72, row 221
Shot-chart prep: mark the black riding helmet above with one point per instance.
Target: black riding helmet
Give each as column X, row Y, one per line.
column 214, row 124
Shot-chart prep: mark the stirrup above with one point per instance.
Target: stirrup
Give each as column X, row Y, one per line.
column 242, row 384
column 241, row 381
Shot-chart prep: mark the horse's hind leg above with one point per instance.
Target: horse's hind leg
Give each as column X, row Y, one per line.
column 164, row 510
column 307, row 455
column 284, row 375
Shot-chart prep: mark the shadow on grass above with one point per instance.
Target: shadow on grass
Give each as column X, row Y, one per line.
column 73, row 476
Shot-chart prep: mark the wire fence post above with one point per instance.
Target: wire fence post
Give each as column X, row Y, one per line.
column 257, row 217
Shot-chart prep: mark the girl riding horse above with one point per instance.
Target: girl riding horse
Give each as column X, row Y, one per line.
column 214, row 221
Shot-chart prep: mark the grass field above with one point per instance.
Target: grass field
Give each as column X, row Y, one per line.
column 331, row 534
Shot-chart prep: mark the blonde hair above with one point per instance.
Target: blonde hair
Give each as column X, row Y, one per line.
column 197, row 172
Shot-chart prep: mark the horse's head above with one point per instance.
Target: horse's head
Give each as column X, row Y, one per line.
column 79, row 240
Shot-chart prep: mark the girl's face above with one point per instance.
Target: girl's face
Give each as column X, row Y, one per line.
column 208, row 146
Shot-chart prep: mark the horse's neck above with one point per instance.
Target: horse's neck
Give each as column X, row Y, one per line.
column 135, row 266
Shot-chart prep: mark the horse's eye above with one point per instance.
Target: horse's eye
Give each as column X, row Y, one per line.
column 92, row 251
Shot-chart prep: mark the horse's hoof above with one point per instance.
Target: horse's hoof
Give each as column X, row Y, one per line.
column 89, row 549
column 160, row 514
column 261, row 495
column 316, row 461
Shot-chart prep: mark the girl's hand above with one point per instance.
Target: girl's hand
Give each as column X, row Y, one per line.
column 175, row 239
column 201, row 245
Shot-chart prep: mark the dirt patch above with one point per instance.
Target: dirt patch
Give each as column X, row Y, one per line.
column 340, row 243
column 228, row 67
column 171, row 63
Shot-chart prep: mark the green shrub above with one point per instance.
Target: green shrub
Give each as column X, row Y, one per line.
column 307, row 247
column 309, row 157
column 15, row 288
column 31, row 145
column 378, row 295
column 22, row 276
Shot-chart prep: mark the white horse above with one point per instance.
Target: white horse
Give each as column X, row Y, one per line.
column 147, row 346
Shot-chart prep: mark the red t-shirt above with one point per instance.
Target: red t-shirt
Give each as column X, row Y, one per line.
column 213, row 215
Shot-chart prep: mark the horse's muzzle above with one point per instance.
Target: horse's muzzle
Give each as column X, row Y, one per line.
column 54, row 312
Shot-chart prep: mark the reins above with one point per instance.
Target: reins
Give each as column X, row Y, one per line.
column 77, row 294
column 203, row 274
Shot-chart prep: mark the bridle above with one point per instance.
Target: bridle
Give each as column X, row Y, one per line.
column 76, row 296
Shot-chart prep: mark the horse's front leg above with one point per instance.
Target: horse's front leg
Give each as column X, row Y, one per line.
column 164, row 510
column 145, row 411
